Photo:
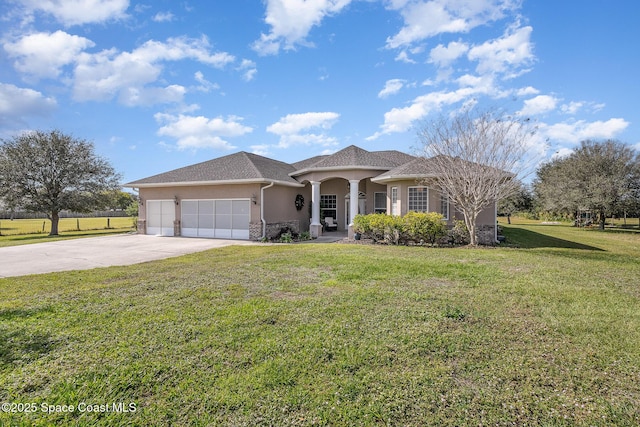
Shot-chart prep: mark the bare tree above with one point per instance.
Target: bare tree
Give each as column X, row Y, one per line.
column 476, row 156
column 50, row 171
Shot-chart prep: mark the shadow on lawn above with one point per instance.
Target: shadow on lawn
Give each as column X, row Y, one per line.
column 530, row 239
column 64, row 234
column 19, row 343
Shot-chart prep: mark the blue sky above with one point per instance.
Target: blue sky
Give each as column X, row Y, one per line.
column 163, row 84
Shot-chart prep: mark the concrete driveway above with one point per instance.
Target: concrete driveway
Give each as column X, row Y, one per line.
column 92, row 252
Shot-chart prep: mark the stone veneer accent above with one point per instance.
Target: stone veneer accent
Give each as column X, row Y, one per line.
column 255, row 230
column 272, row 230
column 486, row 234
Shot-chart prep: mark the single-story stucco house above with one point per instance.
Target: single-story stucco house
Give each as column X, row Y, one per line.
column 247, row 196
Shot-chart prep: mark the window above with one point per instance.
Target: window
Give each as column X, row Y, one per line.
column 380, row 202
column 394, row 201
column 328, row 206
column 419, row 199
column 444, row 206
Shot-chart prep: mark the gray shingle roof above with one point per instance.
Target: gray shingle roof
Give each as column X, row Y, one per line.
column 397, row 157
column 248, row 167
column 242, row 166
column 303, row 164
column 355, row 157
column 418, row 167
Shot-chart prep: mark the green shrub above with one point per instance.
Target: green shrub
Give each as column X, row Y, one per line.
column 459, row 234
column 362, row 224
column 377, row 226
column 286, row 238
column 427, row 227
column 413, row 227
column 305, row 235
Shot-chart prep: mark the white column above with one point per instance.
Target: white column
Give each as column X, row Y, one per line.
column 353, row 203
column 315, row 226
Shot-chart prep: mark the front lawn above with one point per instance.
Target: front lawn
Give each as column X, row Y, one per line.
column 27, row 231
column 545, row 332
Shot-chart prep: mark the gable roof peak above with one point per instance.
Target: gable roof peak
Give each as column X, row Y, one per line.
column 236, row 167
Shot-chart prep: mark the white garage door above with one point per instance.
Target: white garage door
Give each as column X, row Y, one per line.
column 219, row 218
column 160, row 217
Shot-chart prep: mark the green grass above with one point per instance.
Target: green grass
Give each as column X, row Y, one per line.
column 544, row 332
column 27, row 231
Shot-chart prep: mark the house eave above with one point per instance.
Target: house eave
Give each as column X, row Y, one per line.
column 204, row 183
column 391, row 178
column 336, row 168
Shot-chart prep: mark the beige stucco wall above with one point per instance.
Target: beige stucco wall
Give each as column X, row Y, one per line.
column 279, row 203
column 487, row 216
column 238, row 191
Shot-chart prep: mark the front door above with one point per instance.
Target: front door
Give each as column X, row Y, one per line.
column 362, row 206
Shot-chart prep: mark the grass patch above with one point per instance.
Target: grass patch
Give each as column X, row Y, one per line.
column 27, row 231
column 542, row 334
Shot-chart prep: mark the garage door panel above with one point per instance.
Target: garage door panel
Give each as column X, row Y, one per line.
column 189, row 215
column 218, row 218
column 160, row 217
column 241, row 207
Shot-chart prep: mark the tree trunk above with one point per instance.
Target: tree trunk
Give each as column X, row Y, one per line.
column 471, row 227
column 602, row 220
column 55, row 218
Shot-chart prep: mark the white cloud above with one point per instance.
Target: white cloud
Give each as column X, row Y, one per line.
column 291, row 129
column 205, row 85
column 249, row 69
column 402, row 119
column 404, row 57
column 443, row 56
column 321, row 139
column 574, row 132
column 391, row 87
column 194, row 132
column 163, row 17
column 505, row 55
column 525, row 91
column 424, row 19
column 44, row 54
column 539, row 105
column 178, row 48
column 261, row 149
column 109, row 73
column 17, row 103
column 295, row 123
column 572, row 107
column 134, row 96
column 291, row 21
column 562, row 152
column 78, row 12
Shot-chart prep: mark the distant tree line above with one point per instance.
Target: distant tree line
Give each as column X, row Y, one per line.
column 599, row 177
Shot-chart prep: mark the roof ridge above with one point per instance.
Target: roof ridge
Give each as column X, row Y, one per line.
column 253, row 165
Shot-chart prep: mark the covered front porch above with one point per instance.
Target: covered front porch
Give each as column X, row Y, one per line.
column 336, row 201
